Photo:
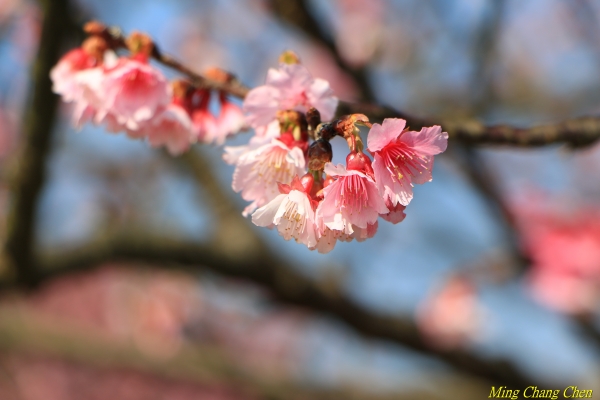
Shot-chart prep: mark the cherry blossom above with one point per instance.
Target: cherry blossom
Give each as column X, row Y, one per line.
column 289, row 115
column 362, row 234
column 78, row 78
column 292, row 212
column 291, row 87
column 204, row 123
column 133, row 91
column 230, row 121
column 403, row 158
column 352, row 199
column 327, row 237
column 258, row 172
column 64, row 74
column 171, row 128
column 88, row 100
column 263, row 135
column 396, row 212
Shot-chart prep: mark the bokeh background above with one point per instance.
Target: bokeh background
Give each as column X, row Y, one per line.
column 497, row 261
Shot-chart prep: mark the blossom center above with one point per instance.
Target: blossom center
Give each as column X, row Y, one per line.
column 401, row 160
column 274, row 167
column 354, row 195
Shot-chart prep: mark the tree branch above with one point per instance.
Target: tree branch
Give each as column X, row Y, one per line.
column 285, row 284
column 578, row 132
column 114, row 36
column 23, row 333
column 38, row 124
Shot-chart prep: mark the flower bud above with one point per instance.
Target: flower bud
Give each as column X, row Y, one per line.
column 358, row 161
column 307, row 181
column 289, row 57
column 182, row 93
column 140, row 44
column 95, row 46
column 94, row 28
column 218, row 75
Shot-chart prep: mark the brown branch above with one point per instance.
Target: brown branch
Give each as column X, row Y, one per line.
column 285, row 284
column 114, row 36
column 23, row 333
column 576, row 132
column 38, row 124
column 233, row 87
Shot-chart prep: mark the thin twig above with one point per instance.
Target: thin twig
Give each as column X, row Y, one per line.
column 577, row 132
column 115, row 37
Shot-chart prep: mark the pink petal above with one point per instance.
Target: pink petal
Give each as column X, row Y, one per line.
column 320, row 96
column 265, row 215
column 261, row 105
column 381, row 135
column 396, row 213
column 133, row 92
column 428, row 142
column 231, row 120
column 171, row 128
column 398, row 191
column 362, row 234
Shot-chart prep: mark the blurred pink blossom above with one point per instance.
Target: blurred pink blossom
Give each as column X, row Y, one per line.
column 171, row 127
column 204, row 123
column 359, row 29
column 64, row 74
column 230, row 121
column 565, row 257
column 133, row 92
column 451, row 316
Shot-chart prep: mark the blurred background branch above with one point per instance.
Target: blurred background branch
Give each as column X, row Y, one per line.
column 281, row 280
column 37, row 131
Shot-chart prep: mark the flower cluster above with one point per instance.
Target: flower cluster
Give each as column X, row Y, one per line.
column 128, row 94
column 292, row 184
column 285, row 170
